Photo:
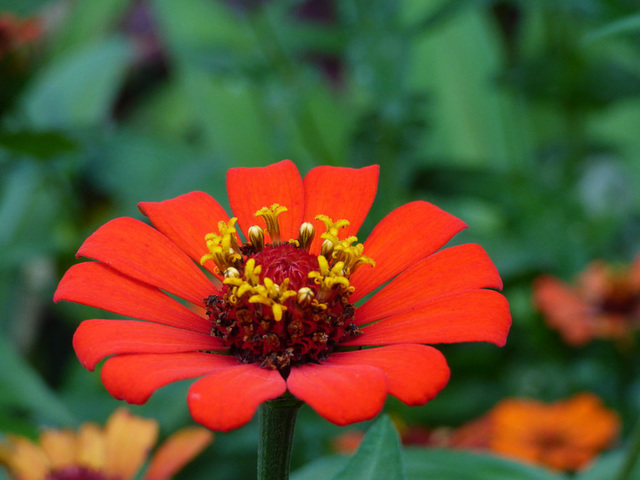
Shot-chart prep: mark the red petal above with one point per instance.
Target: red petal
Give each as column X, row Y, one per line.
column 141, row 252
column 97, row 285
column 339, row 193
column 134, row 378
column 97, row 339
column 405, row 236
column 227, row 399
column 415, row 373
column 469, row 316
column 185, row 220
column 250, row 189
column 465, row 267
column 344, row 394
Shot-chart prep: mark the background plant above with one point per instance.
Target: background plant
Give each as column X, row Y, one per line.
column 518, row 117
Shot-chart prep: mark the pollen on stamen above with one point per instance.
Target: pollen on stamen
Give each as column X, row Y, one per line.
column 305, row 296
column 305, row 237
column 256, row 237
column 326, row 250
column 231, row 273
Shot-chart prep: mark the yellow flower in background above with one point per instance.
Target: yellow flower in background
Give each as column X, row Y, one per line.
column 116, row 452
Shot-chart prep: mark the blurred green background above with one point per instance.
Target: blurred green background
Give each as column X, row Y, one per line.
column 522, row 118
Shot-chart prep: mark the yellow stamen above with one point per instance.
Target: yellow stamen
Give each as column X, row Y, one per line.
column 329, row 276
column 270, row 215
column 223, row 247
column 351, row 255
column 342, row 250
column 332, row 227
column 228, row 230
column 252, row 271
column 247, row 284
column 273, row 295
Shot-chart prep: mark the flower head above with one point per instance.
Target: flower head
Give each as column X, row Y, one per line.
column 605, row 303
column 116, row 452
column 285, row 294
column 564, row 435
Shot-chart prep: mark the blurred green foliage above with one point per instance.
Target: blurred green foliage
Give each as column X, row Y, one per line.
column 519, row 117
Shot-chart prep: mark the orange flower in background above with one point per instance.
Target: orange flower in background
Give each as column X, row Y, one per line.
column 116, row 452
column 564, row 435
column 285, row 307
column 14, row 33
column 605, row 303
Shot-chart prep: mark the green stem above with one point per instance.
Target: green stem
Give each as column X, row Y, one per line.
column 632, row 455
column 277, row 421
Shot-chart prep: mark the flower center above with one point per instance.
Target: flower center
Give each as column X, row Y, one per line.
column 620, row 299
column 281, row 305
column 286, row 261
column 616, row 294
column 76, row 472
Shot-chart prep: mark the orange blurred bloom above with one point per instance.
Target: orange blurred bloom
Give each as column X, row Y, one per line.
column 604, row 303
column 15, row 33
column 116, row 452
column 564, row 435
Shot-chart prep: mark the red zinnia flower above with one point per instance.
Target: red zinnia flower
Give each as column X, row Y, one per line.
column 281, row 316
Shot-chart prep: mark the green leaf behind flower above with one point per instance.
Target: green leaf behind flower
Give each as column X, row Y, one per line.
column 379, row 457
column 445, row 464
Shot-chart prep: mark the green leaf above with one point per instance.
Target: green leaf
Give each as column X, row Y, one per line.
column 321, row 469
column 444, row 464
column 225, row 113
column 442, row 13
column 629, row 24
column 607, row 465
column 135, row 167
column 80, row 89
column 17, row 190
column 456, row 65
column 378, row 457
column 23, row 7
column 87, row 23
column 44, row 144
column 28, row 391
